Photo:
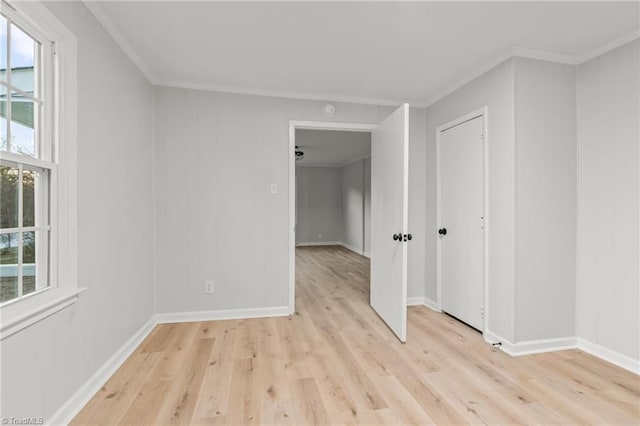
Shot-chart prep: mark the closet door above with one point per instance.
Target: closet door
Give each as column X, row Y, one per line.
column 461, row 227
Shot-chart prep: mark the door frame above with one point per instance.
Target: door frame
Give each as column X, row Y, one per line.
column 484, row 113
column 307, row 125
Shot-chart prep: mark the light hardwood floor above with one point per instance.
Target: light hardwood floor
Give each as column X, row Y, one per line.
column 335, row 362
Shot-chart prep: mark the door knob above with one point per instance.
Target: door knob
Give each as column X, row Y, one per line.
column 408, row 237
column 397, row 237
column 442, row 231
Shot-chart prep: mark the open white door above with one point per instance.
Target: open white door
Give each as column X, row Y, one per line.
column 389, row 219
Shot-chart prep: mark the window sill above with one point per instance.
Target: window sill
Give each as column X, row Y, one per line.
column 24, row 313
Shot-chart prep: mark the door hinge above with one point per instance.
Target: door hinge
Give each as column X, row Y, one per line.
column 482, row 222
column 482, row 312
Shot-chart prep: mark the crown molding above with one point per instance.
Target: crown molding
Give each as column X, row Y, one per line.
column 120, row 40
column 323, row 166
column 111, row 28
column 627, row 38
column 470, row 77
column 238, row 90
column 512, row 52
column 541, row 55
column 575, row 59
column 335, row 166
column 355, row 160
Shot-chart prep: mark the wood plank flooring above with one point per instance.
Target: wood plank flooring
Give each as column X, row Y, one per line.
column 335, row 362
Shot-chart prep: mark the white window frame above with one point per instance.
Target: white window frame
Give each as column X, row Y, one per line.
column 59, row 130
column 42, row 161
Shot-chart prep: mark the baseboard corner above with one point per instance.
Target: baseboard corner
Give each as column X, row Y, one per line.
column 353, row 249
column 434, row 306
column 499, row 342
column 530, row 347
column 415, row 301
column 65, row 414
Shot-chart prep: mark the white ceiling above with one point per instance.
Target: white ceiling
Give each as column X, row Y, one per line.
column 374, row 52
column 332, row 148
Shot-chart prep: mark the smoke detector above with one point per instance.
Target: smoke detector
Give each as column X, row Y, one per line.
column 328, row 110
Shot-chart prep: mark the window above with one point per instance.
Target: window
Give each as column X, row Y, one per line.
column 38, row 166
column 26, row 160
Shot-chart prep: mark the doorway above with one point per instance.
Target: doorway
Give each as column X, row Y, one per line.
column 389, row 214
column 332, row 220
column 462, row 218
column 333, row 189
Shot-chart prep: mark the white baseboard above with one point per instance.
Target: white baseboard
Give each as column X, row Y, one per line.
column 227, row 314
column 500, row 342
column 319, row 243
column 335, row 243
column 608, row 355
column 531, row 346
column 355, row 250
column 563, row 343
column 491, row 337
column 65, row 414
column 432, row 305
column 540, row 346
column 415, row 301
column 423, row 301
column 81, row 397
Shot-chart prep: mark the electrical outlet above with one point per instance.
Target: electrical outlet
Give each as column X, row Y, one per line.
column 319, row 236
column 209, row 287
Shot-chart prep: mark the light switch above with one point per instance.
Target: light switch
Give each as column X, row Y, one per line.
column 274, row 188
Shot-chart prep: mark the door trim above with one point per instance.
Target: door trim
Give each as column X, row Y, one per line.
column 308, row 125
column 484, row 113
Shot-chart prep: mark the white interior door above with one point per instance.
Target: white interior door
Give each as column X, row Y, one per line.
column 461, row 217
column 389, row 217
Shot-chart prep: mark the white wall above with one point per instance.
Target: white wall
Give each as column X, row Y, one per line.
column 331, row 202
column 43, row 365
column 494, row 89
column 319, row 204
column 356, row 207
column 334, row 202
column 563, row 149
column 367, row 212
column 419, row 263
column 545, row 200
column 353, row 187
column 608, row 93
column 226, row 226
